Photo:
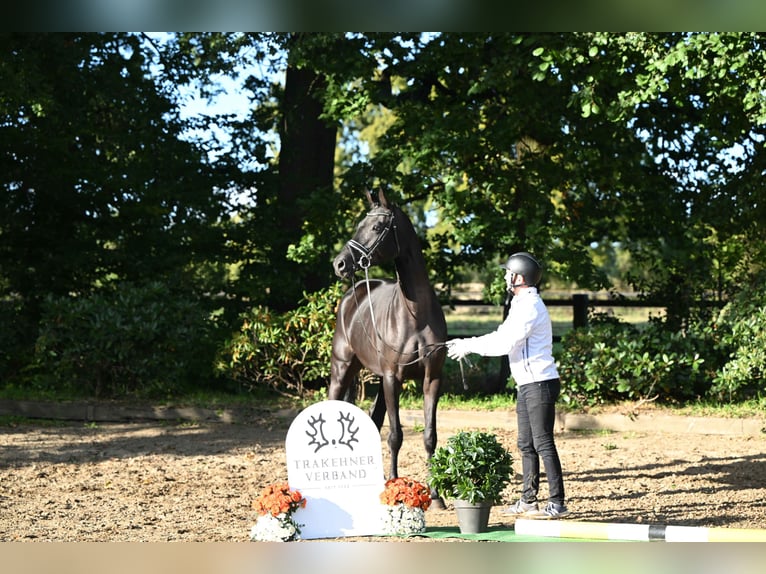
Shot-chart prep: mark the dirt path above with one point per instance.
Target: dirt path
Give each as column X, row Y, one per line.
column 196, row 481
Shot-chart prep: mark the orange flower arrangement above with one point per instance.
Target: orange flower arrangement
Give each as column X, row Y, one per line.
column 275, row 507
column 278, row 499
column 403, row 490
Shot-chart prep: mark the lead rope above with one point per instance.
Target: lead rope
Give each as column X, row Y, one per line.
column 380, row 337
column 462, row 372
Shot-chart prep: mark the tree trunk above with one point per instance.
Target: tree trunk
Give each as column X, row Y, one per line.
column 306, row 164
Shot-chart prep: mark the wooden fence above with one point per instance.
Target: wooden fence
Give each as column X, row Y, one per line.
column 581, row 303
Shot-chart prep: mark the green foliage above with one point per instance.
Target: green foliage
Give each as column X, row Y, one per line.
column 288, row 352
column 97, row 180
column 547, row 142
column 471, row 466
column 134, row 340
column 584, row 138
column 742, row 324
column 17, row 336
column 610, row 361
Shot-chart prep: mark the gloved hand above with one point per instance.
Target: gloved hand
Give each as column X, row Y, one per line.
column 458, row 349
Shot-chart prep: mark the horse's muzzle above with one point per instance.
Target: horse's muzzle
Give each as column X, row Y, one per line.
column 343, row 265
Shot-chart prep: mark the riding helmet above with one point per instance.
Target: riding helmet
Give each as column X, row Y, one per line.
column 525, row 264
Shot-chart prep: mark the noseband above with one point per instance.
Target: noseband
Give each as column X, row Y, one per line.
column 361, row 255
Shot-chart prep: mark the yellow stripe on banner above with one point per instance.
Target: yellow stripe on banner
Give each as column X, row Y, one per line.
column 702, row 534
column 736, row 535
column 592, row 530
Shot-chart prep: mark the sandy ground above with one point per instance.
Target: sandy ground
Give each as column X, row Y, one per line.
column 171, row 481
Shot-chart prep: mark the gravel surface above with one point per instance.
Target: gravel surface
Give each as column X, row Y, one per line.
column 173, row 481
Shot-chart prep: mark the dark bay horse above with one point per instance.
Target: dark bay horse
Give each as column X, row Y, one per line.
column 394, row 328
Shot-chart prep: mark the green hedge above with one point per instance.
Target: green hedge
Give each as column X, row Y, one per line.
column 155, row 340
column 147, row 340
column 17, row 336
column 741, row 327
column 720, row 360
column 612, row 361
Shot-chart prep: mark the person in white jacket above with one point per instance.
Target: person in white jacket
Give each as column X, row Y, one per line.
column 526, row 337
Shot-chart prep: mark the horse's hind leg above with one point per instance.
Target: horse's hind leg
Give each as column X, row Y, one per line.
column 352, row 390
column 430, row 401
column 378, row 410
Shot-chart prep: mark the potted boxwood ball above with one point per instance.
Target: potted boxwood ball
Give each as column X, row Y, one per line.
column 472, row 469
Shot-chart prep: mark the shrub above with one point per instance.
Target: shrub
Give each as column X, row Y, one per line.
column 17, row 337
column 612, row 361
column 581, row 377
column 472, row 466
column 133, row 340
column 286, row 352
column 742, row 328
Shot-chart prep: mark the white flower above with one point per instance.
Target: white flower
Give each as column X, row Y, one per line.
column 401, row 519
column 280, row 528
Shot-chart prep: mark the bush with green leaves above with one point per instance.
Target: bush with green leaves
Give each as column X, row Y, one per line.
column 132, row 340
column 742, row 328
column 472, row 466
column 611, row 361
column 286, row 352
column 17, row 336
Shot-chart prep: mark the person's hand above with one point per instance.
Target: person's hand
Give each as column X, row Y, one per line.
column 458, row 349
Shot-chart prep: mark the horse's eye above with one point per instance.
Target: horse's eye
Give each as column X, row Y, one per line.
column 377, row 228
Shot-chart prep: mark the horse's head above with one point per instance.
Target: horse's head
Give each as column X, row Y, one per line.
column 374, row 240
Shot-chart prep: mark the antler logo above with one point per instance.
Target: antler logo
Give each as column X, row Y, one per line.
column 348, row 432
column 317, row 432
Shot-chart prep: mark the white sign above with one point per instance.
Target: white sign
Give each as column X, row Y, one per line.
column 334, row 459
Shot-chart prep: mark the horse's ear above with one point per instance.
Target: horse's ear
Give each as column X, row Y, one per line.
column 371, row 199
column 382, row 198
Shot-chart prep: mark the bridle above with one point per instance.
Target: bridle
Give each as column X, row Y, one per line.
column 360, row 254
column 361, row 258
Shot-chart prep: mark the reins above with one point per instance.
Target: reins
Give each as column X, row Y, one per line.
column 434, row 346
column 379, row 337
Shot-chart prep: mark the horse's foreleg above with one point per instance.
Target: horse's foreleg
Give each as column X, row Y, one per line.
column 430, row 401
column 390, row 390
column 342, row 376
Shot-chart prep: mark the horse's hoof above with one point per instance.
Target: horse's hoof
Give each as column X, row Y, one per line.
column 437, row 503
